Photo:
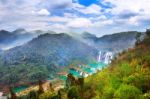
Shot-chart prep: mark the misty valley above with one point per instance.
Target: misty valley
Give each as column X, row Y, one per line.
column 74, row 49
column 51, row 57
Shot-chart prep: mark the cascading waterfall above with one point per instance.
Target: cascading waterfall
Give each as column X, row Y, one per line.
column 105, row 57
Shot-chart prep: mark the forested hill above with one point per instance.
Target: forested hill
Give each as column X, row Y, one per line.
column 42, row 58
column 57, row 49
column 127, row 77
column 116, row 42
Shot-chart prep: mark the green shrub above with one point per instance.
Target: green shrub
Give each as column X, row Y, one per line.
column 33, row 95
column 108, row 93
column 124, row 70
column 127, row 92
column 46, row 95
column 73, row 93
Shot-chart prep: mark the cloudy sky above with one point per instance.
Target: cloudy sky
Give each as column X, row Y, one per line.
column 96, row 16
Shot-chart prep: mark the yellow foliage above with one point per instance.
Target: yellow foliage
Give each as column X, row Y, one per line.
column 134, row 63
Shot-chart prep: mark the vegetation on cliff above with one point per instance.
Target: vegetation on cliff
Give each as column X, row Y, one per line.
column 127, row 77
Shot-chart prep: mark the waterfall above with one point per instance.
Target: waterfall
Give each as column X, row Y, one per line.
column 105, row 57
column 99, row 56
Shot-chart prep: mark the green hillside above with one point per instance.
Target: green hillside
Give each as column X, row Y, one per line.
column 127, row 77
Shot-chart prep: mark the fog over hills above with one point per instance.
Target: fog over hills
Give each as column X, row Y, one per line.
column 18, row 37
column 58, row 49
column 41, row 55
column 11, row 39
column 114, row 42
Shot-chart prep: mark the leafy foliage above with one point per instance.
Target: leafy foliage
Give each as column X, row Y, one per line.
column 43, row 57
column 127, row 77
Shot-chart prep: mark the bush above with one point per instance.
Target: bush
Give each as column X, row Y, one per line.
column 73, row 93
column 108, row 93
column 127, row 92
column 33, row 95
column 124, row 70
column 46, row 95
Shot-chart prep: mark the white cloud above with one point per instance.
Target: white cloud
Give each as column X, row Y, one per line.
column 103, row 23
column 132, row 10
column 63, row 15
column 59, row 19
column 43, row 12
column 56, row 4
column 99, row 18
column 92, row 9
column 131, row 5
column 79, row 23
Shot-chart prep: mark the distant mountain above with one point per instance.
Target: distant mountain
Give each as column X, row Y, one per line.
column 16, row 38
column 11, row 39
column 1, row 51
column 114, row 42
column 87, row 35
column 40, row 55
column 19, row 31
column 127, row 77
column 45, row 56
column 58, row 49
column 6, row 37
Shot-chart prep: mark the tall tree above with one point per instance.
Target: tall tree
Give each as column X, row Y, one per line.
column 70, row 80
column 13, row 94
column 51, row 87
column 41, row 90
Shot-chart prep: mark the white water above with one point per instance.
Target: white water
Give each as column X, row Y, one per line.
column 105, row 57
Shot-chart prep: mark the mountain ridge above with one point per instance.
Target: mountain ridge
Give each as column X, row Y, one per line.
column 43, row 57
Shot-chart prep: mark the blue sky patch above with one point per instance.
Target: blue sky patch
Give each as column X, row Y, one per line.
column 96, row 16
column 87, row 2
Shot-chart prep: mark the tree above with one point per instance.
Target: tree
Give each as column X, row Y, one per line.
column 128, row 92
column 33, row 95
column 62, row 94
column 13, row 95
column 81, row 82
column 73, row 93
column 41, row 90
column 46, row 95
column 148, row 32
column 51, row 87
column 70, row 80
column 138, row 35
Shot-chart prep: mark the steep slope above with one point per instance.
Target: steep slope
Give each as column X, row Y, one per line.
column 57, row 49
column 43, row 57
column 127, row 77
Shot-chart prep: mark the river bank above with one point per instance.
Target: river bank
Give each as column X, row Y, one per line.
column 79, row 71
column 57, row 84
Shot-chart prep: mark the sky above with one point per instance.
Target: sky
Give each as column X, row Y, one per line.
column 99, row 17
